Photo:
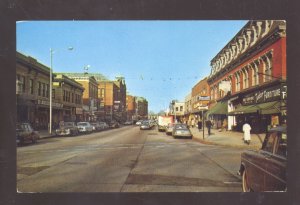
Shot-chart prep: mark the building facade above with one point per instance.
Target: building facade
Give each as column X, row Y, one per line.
column 142, row 108
column 90, row 100
column 131, row 107
column 200, row 98
column 70, row 93
column 248, row 77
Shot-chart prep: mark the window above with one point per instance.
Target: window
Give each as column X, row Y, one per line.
column 267, row 69
column 269, row 143
column 255, row 76
column 53, row 93
column 246, row 79
column 282, row 145
column 47, row 90
column 72, row 98
column 181, row 108
column 238, row 82
column 20, row 84
column 102, row 93
column 43, row 89
column 31, row 86
column 40, row 89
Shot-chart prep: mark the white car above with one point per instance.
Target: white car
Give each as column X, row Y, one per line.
column 139, row 122
column 84, row 127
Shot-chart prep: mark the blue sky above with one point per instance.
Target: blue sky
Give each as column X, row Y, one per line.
column 160, row 60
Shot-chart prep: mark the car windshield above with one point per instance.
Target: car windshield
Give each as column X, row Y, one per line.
column 66, row 124
column 181, row 126
column 82, row 124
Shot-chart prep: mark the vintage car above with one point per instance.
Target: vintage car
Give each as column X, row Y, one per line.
column 84, row 127
column 67, row 128
column 26, row 134
column 97, row 126
column 181, row 130
column 265, row 169
column 145, row 125
column 104, row 125
column 169, row 128
column 114, row 124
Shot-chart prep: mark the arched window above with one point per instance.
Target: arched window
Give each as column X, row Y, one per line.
column 237, row 82
column 267, row 69
column 255, row 76
column 246, row 79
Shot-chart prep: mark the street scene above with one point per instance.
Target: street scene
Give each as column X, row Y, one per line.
column 143, row 107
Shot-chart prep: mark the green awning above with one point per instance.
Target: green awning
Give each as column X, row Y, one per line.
column 263, row 108
column 221, row 108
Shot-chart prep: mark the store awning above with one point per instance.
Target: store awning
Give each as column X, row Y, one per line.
column 221, row 108
column 263, row 108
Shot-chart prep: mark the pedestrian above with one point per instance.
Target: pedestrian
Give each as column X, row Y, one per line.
column 193, row 123
column 246, row 130
column 208, row 125
column 224, row 126
column 199, row 125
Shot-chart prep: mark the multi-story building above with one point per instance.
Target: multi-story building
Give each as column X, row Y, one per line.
column 177, row 110
column 200, row 98
column 187, row 107
column 248, row 77
column 33, row 94
column 142, row 108
column 113, row 99
column 90, row 100
column 131, row 107
column 70, row 93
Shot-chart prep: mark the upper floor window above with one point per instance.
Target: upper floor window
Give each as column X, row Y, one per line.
column 238, row 82
column 40, row 89
column 20, row 84
column 255, row 76
column 31, row 86
column 246, row 79
column 267, row 69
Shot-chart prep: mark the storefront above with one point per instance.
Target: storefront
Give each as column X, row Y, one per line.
column 218, row 113
column 262, row 109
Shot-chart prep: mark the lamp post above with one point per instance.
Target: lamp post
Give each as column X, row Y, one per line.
column 50, row 88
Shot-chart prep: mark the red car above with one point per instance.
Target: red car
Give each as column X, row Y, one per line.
column 265, row 169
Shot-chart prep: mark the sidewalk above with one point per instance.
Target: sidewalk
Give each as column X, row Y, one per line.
column 227, row 138
column 45, row 134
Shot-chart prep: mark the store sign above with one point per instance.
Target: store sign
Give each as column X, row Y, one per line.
column 262, row 96
column 47, row 103
column 204, row 98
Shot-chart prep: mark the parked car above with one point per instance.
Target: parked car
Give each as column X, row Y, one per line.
column 139, row 122
column 181, row 130
column 67, row 128
column 265, row 169
column 128, row 123
column 145, row 125
column 169, row 128
column 114, row 124
column 26, row 134
column 104, row 125
column 84, row 127
column 97, row 126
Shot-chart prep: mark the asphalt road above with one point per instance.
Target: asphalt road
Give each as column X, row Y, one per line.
column 126, row 160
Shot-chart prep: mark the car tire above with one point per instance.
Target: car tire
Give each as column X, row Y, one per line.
column 245, row 184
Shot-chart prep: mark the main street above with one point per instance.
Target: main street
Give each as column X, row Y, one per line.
column 126, row 159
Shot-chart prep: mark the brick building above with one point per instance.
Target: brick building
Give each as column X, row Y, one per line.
column 131, row 107
column 248, row 77
column 142, row 108
column 70, row 93
column 90, row 100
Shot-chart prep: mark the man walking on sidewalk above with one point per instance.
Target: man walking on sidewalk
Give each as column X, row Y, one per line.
column 208, row 125
column 246, row 130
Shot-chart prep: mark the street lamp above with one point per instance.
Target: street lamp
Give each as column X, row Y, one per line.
column 50, row 93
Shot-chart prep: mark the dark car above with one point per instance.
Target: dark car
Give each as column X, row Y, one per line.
column 181, row 130
column 114, row 124
column 265, row 169
column 26, row 134
column 67, row 128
